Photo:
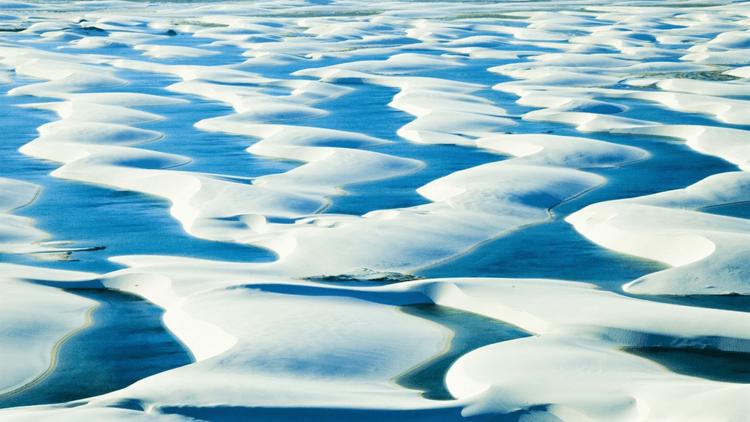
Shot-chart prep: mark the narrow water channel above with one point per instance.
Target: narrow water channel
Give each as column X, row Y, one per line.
column 712, row 364
column 470, row 332
column 124, row 342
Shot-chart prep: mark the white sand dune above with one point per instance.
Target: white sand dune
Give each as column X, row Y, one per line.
column 444, row 111
column 17, row 234
column 706, row 250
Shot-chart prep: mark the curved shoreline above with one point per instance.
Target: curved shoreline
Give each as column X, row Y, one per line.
column 88, row 322
column 26, row 394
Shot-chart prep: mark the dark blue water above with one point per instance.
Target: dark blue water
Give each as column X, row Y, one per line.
column 117, row 221
column 555, row 250
column 718, row 365
column 366, row 110
column 125, row 342
column 470, row 332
